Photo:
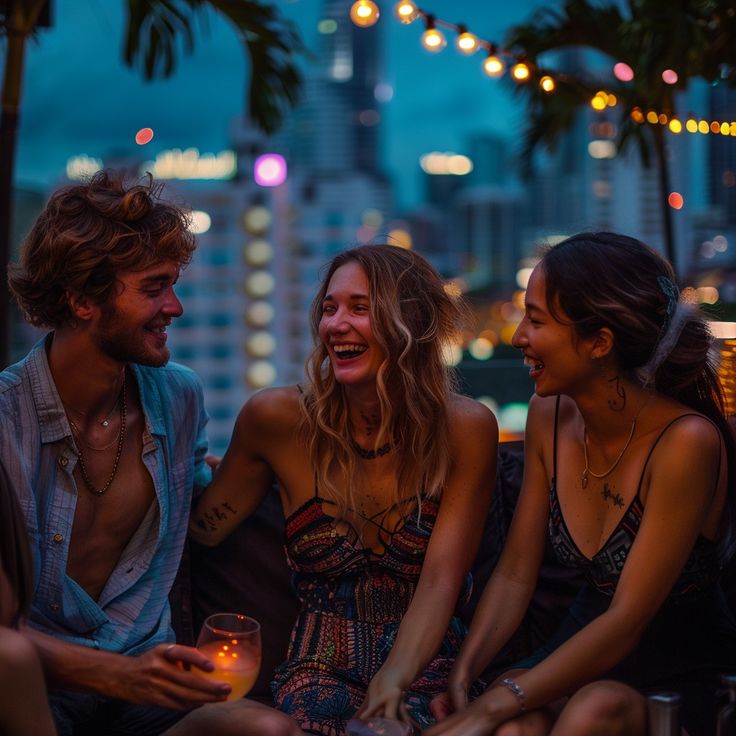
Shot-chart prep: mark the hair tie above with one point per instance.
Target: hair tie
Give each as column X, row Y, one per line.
column 668, row 337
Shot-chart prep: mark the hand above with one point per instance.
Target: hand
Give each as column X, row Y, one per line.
column 158, row 677
column 384, row 698
column 441, row 706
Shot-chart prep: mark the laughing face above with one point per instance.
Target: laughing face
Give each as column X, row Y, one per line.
column 132, row 326
column 553, row 353
column 345, row 327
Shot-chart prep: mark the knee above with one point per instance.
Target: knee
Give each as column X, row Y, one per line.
column 611, row 706
column 536, row 723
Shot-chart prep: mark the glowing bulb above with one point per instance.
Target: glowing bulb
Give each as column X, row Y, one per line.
column 493, row 66
column 703, row 126
column 520, row 71
column 547, row 84
column 364, row 13
column 407, row 11
column 652, row 117
column 467, row 43
column 692, row 126
column 433, row 40
column 637, row 115
column 675, row 125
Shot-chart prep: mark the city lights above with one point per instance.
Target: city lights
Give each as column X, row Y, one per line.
column 143, row 136
column 269, row 170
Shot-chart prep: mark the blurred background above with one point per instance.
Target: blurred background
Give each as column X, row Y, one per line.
column 625, row 120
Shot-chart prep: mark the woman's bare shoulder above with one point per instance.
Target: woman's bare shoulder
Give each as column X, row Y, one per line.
column 271, row 409
column 465, row 412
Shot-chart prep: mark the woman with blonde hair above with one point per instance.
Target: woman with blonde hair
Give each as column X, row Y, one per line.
column 385, row 475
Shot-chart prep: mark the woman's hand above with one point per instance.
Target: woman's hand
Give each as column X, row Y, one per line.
column 454, row 699
column 473, row 720
column 385, row 697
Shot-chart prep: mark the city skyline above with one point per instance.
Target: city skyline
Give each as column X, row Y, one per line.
column 79, row 99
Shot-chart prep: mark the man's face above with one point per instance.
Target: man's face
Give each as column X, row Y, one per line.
column 132, row 325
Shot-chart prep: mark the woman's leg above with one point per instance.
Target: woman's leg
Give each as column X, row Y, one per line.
column 240, row 718
column 603, row 708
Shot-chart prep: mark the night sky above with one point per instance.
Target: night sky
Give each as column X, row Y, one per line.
column 80, row 99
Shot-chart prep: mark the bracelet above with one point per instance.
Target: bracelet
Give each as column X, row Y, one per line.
column 517, row 690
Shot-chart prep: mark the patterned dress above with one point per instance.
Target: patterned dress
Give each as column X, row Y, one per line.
column 352, row 602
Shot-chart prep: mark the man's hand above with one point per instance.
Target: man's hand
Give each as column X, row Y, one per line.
column 158, row 677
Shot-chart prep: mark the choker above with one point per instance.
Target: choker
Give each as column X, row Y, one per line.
column 370, row 454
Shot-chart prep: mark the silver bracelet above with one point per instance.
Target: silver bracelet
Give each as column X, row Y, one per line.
column 517, row 690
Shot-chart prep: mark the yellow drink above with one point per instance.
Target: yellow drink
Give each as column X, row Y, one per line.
column 236, row 664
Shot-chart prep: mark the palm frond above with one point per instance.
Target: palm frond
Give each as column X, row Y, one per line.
column 156, row 29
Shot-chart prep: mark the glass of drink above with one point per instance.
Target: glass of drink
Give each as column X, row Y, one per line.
column 377, row 727
column 232, row 642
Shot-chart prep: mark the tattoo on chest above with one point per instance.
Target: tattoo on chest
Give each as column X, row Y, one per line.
column 618, row 403
column 210, row 519
column 616, row 499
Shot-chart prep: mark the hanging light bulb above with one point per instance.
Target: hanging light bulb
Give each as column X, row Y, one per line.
column 407, row 11
column 432, row 39
column 364, row 13
column 467, row 43
column 521, row 71
column 547, row 84
column 493, row 66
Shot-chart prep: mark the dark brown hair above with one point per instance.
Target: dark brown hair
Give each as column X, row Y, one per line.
column 87, row 235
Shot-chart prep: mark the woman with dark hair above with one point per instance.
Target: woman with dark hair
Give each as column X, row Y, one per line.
column 24, row 710
column 629, row 464
column 385, row 474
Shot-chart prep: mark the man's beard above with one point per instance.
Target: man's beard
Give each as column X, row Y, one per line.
column 115, row 340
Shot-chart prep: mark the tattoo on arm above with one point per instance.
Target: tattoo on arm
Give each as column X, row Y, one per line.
column 618, row 403
column 210, row 519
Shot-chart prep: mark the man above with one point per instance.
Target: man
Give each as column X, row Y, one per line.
column 103, row 443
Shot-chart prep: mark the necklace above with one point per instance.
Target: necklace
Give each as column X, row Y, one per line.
column 587, row 471
column 118, row 453
column 102, row 422
column 370, row 454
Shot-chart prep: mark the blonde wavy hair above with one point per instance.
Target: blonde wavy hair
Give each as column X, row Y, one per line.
column 414, row 319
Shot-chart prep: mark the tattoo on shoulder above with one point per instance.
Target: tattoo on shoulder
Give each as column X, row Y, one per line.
column 615, row 498
column 210, row 519
column 618, row 403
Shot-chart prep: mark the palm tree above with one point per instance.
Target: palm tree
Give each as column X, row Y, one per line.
column 695, row 37
column 153, row 31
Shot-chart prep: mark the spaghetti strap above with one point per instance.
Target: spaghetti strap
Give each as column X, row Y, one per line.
column 661, row 434
column 554, row 441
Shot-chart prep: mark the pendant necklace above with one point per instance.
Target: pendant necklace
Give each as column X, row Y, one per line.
column 587, row 471
column 118, row 453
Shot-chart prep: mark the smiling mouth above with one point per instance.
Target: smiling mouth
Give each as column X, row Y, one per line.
column 346, row 352
column 533, row 365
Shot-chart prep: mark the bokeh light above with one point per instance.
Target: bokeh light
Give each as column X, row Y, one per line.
column 143, row 136
column 669, row 76
column 623, row 72
column 493, row 66
column 200, row 222
column 676, row 200
column 269, row 170
column 364, row 13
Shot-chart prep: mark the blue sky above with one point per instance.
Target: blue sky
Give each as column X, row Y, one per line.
column 80, row 99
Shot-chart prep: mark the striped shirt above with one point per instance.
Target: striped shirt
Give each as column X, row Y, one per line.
column 132, row 613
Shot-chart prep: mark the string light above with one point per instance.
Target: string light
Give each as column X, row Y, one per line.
column 467, row 43
column 364, row 13
column 493, row 66
column 432, row 39
column 521, row 71
column 407, row 11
